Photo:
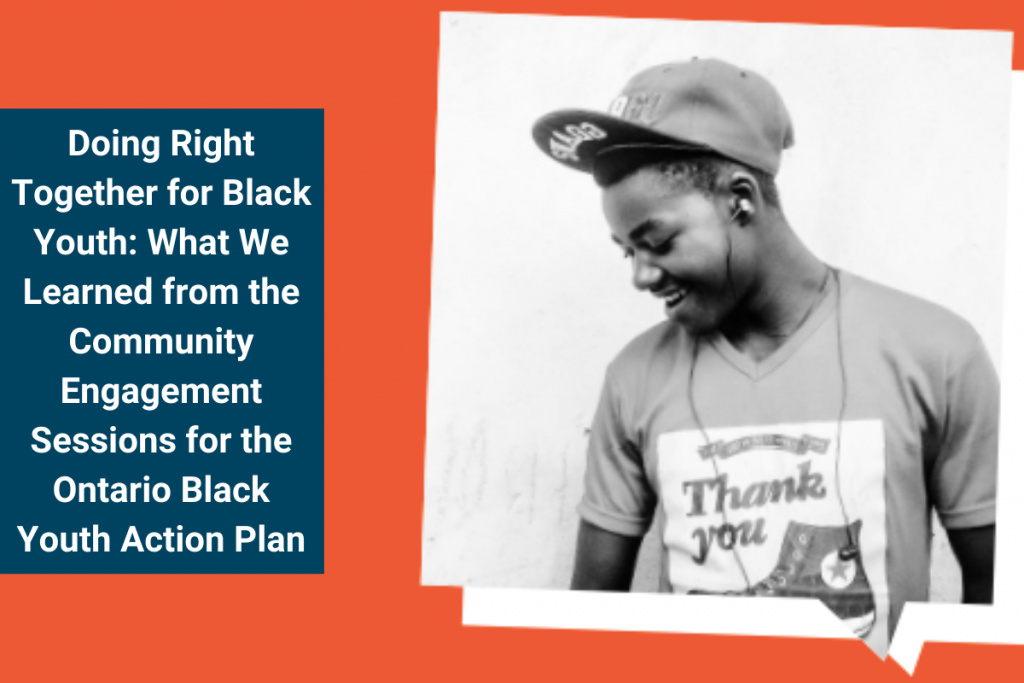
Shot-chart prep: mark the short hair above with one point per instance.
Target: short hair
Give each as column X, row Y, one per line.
column 703, row 173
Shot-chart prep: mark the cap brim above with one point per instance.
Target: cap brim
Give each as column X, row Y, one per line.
column 579, row 139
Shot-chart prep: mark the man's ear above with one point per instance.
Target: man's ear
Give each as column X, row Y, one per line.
column 742, row 185
column 745, row 197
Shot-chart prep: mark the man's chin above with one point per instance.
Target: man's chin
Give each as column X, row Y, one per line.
column 694, row 325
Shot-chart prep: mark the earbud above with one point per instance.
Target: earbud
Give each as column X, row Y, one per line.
column 743, row 207
column 848, row 553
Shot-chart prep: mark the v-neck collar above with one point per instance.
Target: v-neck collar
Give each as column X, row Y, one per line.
column 756, row 370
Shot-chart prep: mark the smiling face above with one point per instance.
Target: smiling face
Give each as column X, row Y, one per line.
column 680, row 244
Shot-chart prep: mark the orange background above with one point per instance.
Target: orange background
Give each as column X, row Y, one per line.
column 373, row 68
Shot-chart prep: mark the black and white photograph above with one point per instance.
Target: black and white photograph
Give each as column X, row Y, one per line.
column 716, row 310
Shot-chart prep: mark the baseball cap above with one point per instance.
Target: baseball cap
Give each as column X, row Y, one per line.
column 704, row 106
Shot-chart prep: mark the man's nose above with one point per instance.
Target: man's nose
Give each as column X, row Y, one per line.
column 645, row 274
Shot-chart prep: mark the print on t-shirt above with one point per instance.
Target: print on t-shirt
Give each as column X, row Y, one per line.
column 785, row 510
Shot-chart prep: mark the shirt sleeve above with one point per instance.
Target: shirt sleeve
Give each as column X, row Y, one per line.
column 963, row 481
column 617, row 495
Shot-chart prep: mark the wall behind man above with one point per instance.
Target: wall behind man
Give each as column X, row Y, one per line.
column 898, row 174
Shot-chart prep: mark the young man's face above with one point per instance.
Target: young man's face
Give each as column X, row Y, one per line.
column 679, row 244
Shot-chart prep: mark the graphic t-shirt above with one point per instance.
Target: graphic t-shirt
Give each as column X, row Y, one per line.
column 812, row 473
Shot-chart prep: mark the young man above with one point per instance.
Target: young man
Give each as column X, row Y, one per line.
column 792, row 425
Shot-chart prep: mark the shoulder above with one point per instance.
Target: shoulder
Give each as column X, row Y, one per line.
column 900, row 321
column 650, row 357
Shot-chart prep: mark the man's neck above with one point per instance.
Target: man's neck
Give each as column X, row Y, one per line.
column 787, row 289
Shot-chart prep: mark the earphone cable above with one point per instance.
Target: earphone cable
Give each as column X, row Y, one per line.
column 852, row 546
column 842, row 405
column 714, row 464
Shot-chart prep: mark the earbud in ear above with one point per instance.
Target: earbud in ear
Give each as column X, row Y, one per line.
column 743, row 207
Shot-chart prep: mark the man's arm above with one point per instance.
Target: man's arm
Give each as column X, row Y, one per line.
column 962, row 483
column 975, row 551
column 604, row 560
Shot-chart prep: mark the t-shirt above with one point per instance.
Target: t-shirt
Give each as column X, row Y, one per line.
column 879, row 409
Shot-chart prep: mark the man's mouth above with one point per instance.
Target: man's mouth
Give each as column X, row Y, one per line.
column 674, row 298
